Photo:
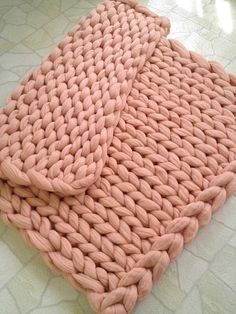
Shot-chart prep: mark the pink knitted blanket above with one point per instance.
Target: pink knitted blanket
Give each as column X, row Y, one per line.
column 115, row 150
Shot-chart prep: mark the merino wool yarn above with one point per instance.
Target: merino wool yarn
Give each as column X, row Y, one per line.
column 115, row 151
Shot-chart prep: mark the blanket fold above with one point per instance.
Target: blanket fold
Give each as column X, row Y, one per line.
column 115, row 151
column 60, row 121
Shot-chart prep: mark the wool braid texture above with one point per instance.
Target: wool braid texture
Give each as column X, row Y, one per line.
column 115, row 151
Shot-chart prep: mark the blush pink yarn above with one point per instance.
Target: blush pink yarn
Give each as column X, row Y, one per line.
column 115, row 150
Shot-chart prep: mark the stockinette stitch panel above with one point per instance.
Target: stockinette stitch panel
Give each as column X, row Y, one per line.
column 115, row 151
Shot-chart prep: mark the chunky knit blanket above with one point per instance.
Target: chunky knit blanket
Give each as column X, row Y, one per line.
column 115, row 151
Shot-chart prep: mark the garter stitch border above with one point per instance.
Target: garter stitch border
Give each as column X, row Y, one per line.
column 153, row 155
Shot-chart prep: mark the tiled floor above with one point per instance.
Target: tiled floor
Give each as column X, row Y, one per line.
column 203, row 280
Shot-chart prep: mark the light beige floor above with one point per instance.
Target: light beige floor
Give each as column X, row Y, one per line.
column 203, row 280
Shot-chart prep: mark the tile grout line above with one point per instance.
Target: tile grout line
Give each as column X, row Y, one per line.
column 14, row 299
column 222, row 280
column 22, row 267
